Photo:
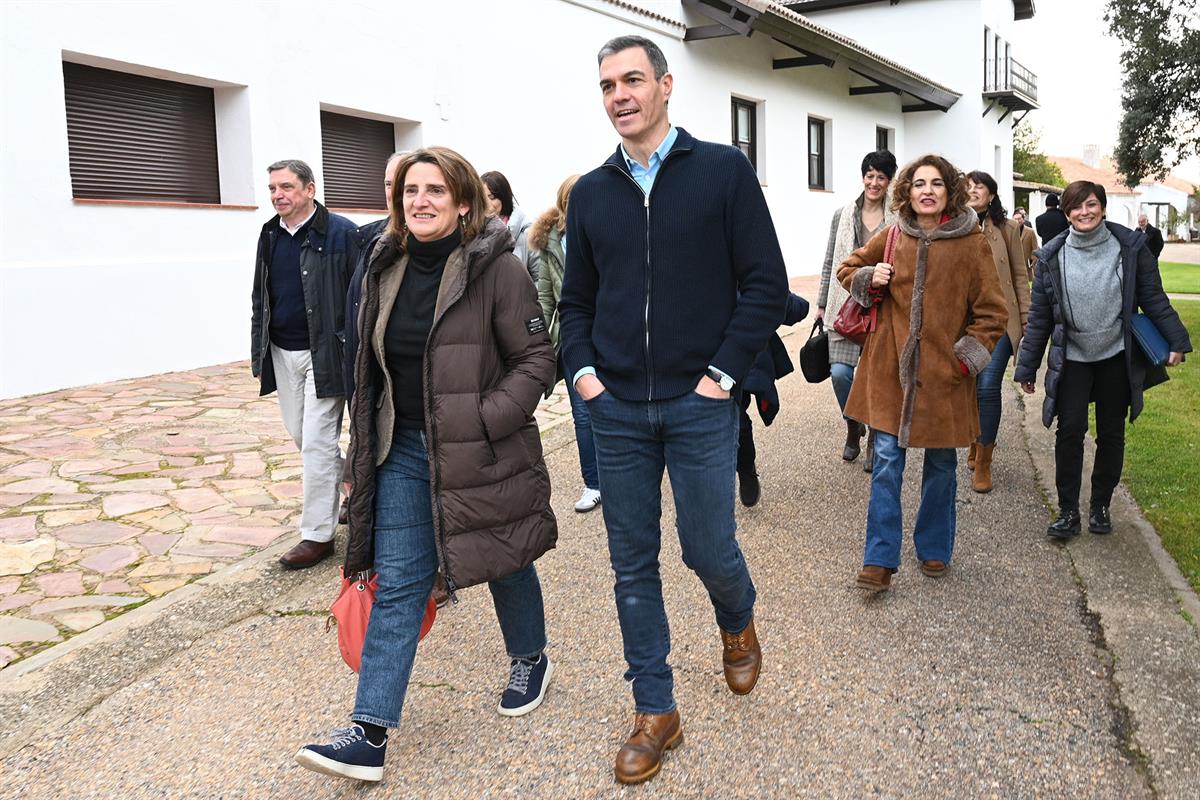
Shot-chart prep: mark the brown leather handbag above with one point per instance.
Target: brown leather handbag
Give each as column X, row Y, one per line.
column 854, row 322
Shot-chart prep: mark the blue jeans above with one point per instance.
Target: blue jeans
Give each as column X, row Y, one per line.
column 695, row 439
column 841, row 375
column 406, row 560
column 933, row 533
column 583, row 437
column 987, row 390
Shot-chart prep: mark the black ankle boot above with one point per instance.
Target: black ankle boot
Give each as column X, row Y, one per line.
column 748, row 487
column 869, row 457
column 853, row 446
column 1099, row 520
column 1065, row 527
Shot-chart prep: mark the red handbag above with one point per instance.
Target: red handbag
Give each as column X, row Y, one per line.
column 854, row 322
column 352, row 610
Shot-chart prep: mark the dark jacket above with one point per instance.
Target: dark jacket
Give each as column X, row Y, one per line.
column 659, row 287
column 487, row 362
column 362, row 240
column 325, row 272
column 1154, row 240
column 1141, row 287
column 773, row 363
column 1051, row 224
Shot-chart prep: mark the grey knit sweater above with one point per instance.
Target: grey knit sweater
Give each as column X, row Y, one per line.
column 1091, row 269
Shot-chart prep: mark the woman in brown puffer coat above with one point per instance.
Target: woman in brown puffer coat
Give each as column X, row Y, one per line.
column 940, row 314
column 445, row 457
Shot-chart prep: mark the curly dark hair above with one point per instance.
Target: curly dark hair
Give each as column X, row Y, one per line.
column 956, row 186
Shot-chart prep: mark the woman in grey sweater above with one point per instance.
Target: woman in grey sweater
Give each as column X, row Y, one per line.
column 1089, row 281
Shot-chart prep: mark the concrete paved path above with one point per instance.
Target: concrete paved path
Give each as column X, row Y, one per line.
column 1181, row 253
column 1029, row 670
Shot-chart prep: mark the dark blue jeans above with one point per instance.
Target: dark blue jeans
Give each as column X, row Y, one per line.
column 583, row 437
column 695, row 439
column 841, row 375
column 933, row 533
column 987, row 390
column 406, row 560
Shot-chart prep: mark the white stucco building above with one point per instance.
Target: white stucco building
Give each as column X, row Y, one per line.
column 105, row 276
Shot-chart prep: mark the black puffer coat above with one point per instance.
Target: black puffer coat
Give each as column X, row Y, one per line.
column 1141, row 287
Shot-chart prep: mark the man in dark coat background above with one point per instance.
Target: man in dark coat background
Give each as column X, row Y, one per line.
column 297, row 335
column 1053, row 222
column 1154, row 237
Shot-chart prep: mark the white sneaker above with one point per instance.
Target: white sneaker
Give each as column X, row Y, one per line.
column 588, row 500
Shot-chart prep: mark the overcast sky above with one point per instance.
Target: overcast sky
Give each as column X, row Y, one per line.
column 1079, row 95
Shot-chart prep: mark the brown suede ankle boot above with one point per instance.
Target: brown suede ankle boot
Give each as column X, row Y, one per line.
column 981, row 481
column 640, row 758
column 971, row 455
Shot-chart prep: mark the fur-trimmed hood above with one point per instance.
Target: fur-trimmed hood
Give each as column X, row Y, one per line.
column 539, row 232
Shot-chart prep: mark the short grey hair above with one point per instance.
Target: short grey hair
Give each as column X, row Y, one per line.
column 614, row 46
column 396, row 156
column 302, row 171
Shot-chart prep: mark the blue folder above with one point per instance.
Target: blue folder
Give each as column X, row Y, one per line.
column 1150, row 340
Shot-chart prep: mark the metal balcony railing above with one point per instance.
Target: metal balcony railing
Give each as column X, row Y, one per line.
column 1008, row 75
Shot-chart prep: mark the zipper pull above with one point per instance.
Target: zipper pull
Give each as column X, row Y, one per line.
column 646, row 199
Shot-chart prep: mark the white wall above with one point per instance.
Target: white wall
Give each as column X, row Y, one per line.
column 943, row 40
column 91, row 293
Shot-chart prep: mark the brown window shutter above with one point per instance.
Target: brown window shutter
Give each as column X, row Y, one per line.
column 354, row 152
column 137, row 138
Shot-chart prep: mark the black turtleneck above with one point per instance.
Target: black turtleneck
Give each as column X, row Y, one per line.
column 409, row 325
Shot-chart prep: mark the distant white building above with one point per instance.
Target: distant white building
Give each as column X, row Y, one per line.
column 136, row 135
column 1151, row 197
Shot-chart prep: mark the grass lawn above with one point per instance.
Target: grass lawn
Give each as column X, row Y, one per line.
column 1162, row 452
column 1181, row 278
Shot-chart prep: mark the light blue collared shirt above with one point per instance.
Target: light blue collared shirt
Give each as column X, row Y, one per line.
column 645, row 175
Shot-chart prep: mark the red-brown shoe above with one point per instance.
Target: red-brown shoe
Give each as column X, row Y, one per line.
column 874, row 579
column 742, row 658
column 306, row 554
column 640, row 758
column 934, row 568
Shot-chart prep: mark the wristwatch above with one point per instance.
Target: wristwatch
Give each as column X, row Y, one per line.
column 721, row 379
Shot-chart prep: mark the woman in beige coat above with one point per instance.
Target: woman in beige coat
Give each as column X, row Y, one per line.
column 915, row 382
column 1008, row 254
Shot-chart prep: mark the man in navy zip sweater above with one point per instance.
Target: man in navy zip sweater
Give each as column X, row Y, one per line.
column 674, row 282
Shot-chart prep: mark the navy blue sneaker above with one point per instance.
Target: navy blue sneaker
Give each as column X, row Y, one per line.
column 527, row 684
column 349, row 755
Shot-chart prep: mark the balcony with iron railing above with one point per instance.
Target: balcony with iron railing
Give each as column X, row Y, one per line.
column 1007, row 82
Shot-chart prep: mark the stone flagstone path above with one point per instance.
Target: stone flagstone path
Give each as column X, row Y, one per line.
column 117, row 493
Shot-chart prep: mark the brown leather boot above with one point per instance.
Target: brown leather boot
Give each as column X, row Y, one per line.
column 742, row 658
column 874, row 578
column 971, row 455
column 981, row 481
column 640, row 758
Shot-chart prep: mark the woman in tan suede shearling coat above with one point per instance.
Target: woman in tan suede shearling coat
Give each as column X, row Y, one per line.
column 940, row 314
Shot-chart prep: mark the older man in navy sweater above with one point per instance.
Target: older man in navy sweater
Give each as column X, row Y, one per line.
column 674, row 282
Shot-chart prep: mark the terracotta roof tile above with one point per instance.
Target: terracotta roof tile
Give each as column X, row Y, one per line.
column 1106, row 174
